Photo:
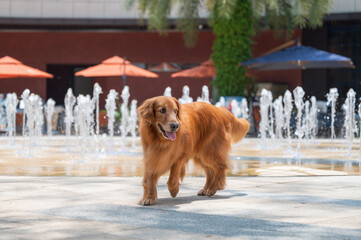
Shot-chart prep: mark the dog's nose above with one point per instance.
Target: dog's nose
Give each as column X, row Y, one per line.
column 174, row 126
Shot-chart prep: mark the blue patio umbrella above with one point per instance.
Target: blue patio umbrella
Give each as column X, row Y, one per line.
column 299, row 57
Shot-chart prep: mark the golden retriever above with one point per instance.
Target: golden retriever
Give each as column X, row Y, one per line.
column 172, row 133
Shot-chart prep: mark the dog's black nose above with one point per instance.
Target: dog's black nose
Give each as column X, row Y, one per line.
column 174, row 126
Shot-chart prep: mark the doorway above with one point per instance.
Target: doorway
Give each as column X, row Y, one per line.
column 64, row 78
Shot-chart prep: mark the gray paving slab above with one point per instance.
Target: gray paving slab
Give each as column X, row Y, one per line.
column 295, row 207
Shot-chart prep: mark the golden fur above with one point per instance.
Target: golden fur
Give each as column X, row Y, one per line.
column 205, row 134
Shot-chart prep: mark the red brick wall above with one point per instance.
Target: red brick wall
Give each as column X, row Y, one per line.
column 37, row 49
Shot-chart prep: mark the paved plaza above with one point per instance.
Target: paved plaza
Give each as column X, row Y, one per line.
column 296, row 207
column 269, row 195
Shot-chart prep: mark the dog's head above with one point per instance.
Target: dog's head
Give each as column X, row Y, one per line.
column 163, row 113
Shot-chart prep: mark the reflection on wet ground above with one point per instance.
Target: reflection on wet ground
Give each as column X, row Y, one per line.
column 56, row 156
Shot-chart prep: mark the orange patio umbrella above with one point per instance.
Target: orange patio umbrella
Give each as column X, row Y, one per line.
column 116, row 66
column 12, row 68
column 206, row 69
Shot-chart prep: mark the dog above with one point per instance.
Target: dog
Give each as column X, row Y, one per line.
column 172, row 133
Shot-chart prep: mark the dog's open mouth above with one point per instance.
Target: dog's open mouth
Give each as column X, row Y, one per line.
column 168, row 135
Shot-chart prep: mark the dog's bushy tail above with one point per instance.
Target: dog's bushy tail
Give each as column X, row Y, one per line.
column 239, row 126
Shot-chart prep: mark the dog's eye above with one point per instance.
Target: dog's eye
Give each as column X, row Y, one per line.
column 175, row 111
column 163, row 110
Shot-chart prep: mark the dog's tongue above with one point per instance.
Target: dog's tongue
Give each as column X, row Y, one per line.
column 171, row 135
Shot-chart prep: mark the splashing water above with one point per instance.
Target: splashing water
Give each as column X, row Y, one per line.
column 168, row 92
column 236, row 110
column 34, row 109
column 132, row 122
column 49, row 109
column 97, row 90
column 287, row 101
column 279, row 118
column 110, row 106
column 306, row 121
column 221, row 103
column 205, row 95
column 11, row 103
column 298, row 94
column 332, row 98
column 185, row 97
column 266, row 112
column 244, row 109
column 25, row 97
column 350, row 123
column 85, row 121
column 313, row 118
column 125, row 115
column 69, row 102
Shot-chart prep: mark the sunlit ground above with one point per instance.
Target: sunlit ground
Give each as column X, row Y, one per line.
column 59, row 156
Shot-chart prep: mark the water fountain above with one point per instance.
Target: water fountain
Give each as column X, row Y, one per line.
column 85, row 121
column 350, row 123
column 76, row 120
column 49, row 109
column 39, row 116
column 168, row 92
column 236, row 110
column 97, row 90
column 132, row 122
column 125, row 115
column 221, row 103
column 266, row 113
column 244, row 109
column 185, row 97
column 69, row 102
column 287, row 101
column 313, row 118
column 332, row 98
column 110, row 106
column 25, row 97
column 32, row 124
column 298, row 94
column 268, row 157
column 11, row 104
column 205, row 95
column 279, row 117
column 306, row 121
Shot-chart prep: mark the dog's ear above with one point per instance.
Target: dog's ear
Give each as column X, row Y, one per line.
column 178, row 106
column 146, row 110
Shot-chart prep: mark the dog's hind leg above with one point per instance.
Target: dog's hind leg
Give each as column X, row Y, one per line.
column 215, row 167
column 209, row 180
column 177, row 173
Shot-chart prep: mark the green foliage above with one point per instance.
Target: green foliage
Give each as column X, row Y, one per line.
column 286, row 15
column 281, row 15
column 232, row 46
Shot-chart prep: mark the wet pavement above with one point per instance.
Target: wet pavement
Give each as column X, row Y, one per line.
column 57, row 156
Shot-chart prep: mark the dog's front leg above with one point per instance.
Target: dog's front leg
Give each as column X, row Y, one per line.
column 150, row 189
column 176, row 173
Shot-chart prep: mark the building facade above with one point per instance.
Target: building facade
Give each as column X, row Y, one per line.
column 65, row 36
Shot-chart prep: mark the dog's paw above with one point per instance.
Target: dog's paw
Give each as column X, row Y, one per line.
column 173, row 192
column 147, row 201
column 202, row 192
column 206, row 192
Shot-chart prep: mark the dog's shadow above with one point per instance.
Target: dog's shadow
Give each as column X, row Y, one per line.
column 175, row 202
